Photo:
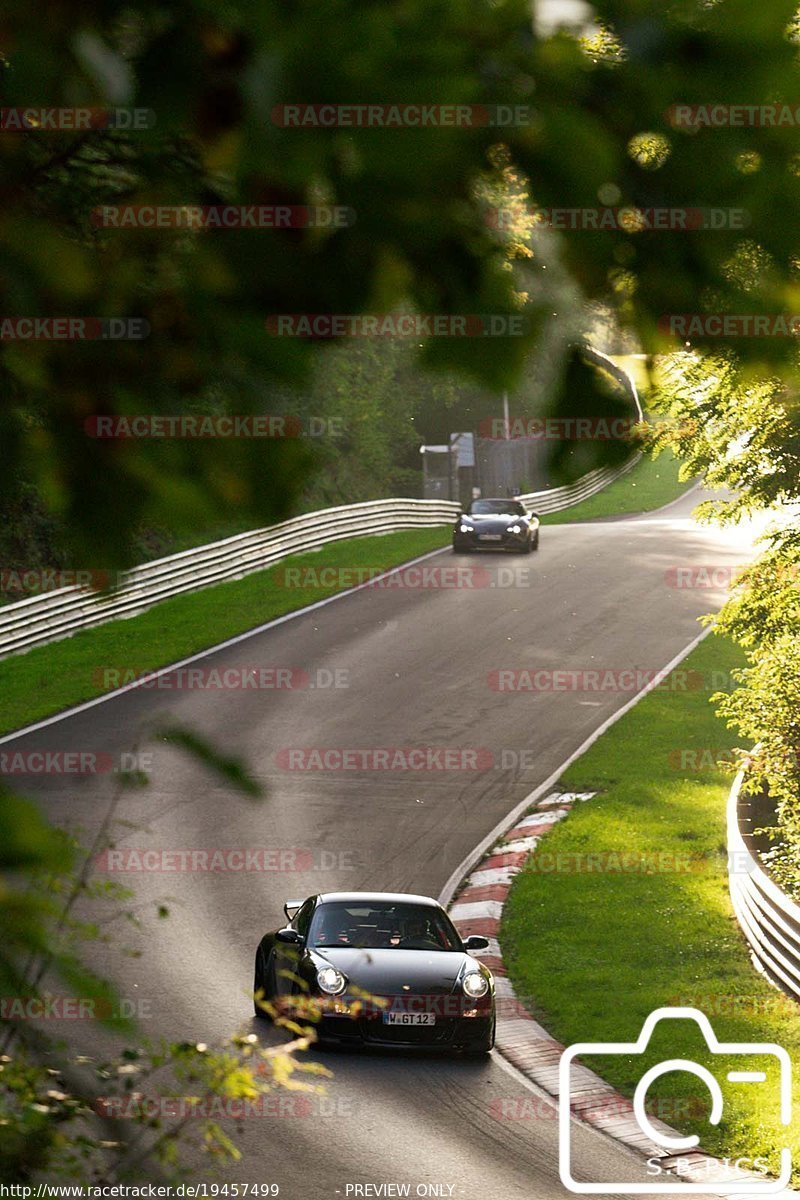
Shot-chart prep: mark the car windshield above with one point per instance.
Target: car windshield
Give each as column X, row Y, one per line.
column 485, row 508
column 382, row 927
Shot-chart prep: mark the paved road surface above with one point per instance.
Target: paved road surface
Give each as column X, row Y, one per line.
column 417, row 662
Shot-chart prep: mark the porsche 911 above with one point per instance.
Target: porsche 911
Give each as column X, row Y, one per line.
column 379, row 969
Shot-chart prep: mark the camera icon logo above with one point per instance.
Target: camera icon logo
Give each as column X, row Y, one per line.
column 675, row 1144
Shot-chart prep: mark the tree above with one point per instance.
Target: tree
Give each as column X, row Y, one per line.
column 741, row 431
column 594, row 125
column 593, row 128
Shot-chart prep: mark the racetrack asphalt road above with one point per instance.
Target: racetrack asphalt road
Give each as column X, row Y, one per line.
column 417, row 663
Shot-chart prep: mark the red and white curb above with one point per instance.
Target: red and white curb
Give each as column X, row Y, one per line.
column 478, row 909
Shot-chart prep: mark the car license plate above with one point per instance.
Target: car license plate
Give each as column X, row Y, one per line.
column 490, row 537
column 402, row 1018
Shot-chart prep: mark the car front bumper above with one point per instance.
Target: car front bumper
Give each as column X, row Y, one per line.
column 502, row 541
column 448, row 1031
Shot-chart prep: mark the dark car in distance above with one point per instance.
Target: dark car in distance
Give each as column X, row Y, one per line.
column 379, row 968
column 496, row 525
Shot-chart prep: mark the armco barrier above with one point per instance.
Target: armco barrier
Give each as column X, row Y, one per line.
column 769, row 919
column 557, row 499
column 616, row 372
column 58, row 614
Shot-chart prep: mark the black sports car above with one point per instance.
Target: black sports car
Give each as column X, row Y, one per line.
column 496, row 525
column 378, row 968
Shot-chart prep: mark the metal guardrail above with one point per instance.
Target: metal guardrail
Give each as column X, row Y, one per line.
column 619, row 373
column 557, row 499
column 769, row 919
column 58, row 614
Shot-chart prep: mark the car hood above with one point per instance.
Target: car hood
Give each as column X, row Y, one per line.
column 395, row 971
column 494, row 521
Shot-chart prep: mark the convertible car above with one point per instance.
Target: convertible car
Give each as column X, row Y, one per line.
column 378, row 968
column 496, row 525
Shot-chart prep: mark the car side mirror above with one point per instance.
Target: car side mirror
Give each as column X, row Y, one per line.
column 476, row 942
column 290, row 936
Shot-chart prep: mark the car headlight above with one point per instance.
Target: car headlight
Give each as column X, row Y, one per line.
column 515, row 529
column 331, row 981
column 475, row 985
column 465, row 528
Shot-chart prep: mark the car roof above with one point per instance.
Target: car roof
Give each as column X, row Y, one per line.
column 377, row 897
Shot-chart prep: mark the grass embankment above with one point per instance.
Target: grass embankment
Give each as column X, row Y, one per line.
column 651, row 484
column 49, row 678
column 599, row 948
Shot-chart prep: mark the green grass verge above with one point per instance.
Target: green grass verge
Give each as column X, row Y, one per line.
column 49, row 678
column 599, row 949
column 651, row 484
